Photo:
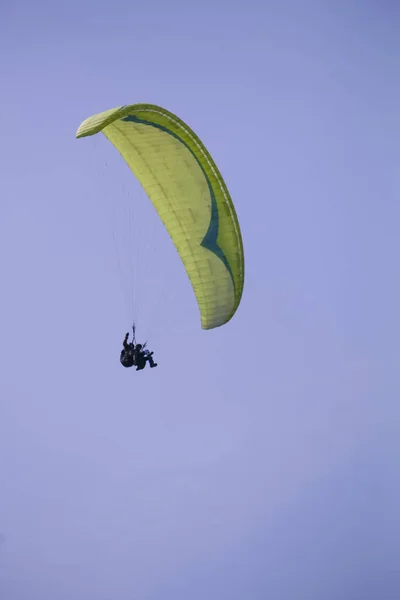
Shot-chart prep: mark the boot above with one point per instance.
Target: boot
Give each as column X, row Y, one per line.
column 151, row 362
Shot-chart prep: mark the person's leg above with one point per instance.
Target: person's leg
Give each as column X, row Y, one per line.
column 151, row 361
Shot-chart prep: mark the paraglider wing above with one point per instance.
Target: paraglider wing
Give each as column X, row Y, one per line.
column 190, row 196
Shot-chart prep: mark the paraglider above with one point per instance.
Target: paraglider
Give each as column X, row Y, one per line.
column 190, row 196
column 135, row 355
column 127, row 356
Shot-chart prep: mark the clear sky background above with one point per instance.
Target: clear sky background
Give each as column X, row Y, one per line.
column 260, row 460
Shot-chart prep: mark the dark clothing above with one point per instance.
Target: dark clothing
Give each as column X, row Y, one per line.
column 127, row 357
column 134, row 355
column 143, row 356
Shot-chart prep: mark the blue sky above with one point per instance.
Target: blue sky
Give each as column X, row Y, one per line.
column 259, row 460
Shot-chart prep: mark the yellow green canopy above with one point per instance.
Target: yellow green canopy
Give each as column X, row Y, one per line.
column 190, row 196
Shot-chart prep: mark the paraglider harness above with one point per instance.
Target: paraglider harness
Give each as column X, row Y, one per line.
column 127, row 357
